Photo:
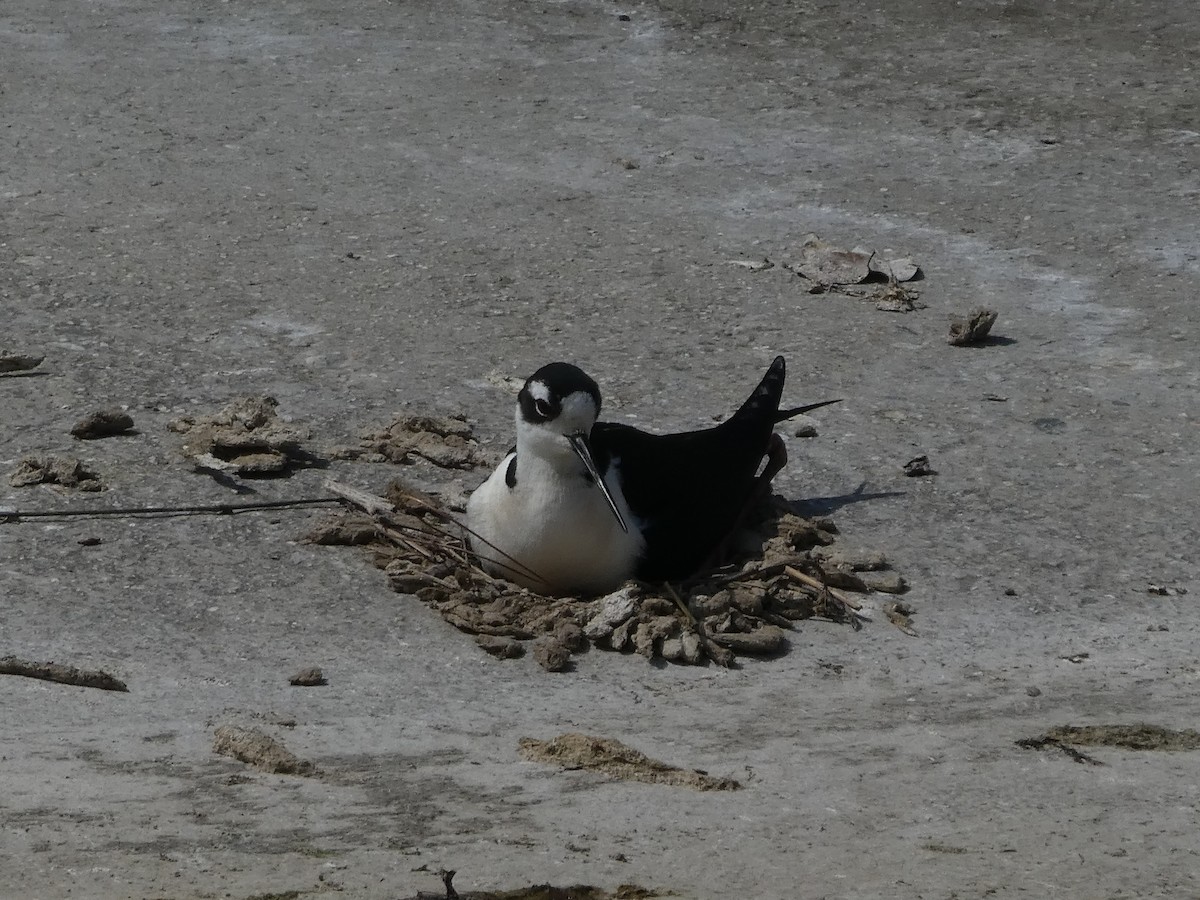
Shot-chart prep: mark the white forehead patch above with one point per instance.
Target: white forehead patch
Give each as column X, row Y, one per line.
column 578, row 411
column 539, row 390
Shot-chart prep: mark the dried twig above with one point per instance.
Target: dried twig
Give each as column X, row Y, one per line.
column 14, row 515
column 445, row 539
column 367, row 502
column 683, row 607
column 56, row 672
column 852, row 606
column 898, row 615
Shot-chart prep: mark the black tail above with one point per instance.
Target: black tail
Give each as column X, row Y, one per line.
column 765, row 399
column 768, row 394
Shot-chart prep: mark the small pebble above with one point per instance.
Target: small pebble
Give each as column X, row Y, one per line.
column 805, row 427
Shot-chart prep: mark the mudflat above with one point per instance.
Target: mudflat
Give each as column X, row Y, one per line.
column 374, row 210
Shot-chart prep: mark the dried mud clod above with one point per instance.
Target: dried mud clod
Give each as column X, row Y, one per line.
column 344, row 530
column 537, row 892
column 551, row 654
column 824, row 264
column 246, row 437
column 310, row 677
column 919, row 467
column 102, row 423
column 61, row 674
column 1139, row 736
column 500, row 647
column 616, row 760
column 64, row 471
column 895, row 298
column 253, row 747
column 974, row 329
column 444, row 441
column 18, row 362
column 786, row 574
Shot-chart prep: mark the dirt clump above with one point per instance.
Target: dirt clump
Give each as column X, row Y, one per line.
column 64, row 471
column 253, row 747
column 62, row 674
column 310, row 677
column 973, row 329
column 245, row 437
column 551, row 654
column 616, row 760
column 18, row 362
column 537, row 892
column 500, row 647
column 1140, row 736
column 444, row 441
column 102, row 423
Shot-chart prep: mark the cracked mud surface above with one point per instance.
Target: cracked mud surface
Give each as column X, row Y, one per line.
column 388, row 210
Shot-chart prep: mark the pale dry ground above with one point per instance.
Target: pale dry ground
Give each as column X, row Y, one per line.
column 373, row 207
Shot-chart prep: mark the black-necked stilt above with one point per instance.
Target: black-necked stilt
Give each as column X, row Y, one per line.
column 580, row 506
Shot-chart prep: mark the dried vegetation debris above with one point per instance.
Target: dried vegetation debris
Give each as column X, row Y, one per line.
column 827, row 267
column 245, row 437
column 617, row 760
column 258, row 749
column 788, row 574
column 444, row 441
column 64, row 471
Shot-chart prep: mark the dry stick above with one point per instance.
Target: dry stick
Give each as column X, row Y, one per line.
column 853, row 606
column 401, row 538
column 368, row 502
column 379, row 506
column 50, row 671
column 683, row 607
column 820, row 585
column 14, row 515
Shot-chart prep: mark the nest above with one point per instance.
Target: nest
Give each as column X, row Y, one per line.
column 786, row 571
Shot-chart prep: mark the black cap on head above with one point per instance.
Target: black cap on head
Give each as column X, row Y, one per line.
column 541, row 397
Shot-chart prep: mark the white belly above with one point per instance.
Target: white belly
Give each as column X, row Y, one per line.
column 559, row 532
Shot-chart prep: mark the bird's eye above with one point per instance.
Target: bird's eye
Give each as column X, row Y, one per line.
column 543, row 409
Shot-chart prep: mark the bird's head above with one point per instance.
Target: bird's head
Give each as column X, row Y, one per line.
column 556, row 410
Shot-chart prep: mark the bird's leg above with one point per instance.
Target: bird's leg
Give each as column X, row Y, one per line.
column 776, row 457
column 776, row 460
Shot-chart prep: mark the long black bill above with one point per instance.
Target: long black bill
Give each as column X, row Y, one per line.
column 579, row 444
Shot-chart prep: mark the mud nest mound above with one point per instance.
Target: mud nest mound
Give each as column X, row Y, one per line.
column 785, row 570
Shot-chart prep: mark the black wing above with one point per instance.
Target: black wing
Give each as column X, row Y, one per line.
column 689, row 489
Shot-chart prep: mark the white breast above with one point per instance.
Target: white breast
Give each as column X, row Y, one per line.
column 556, row 526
